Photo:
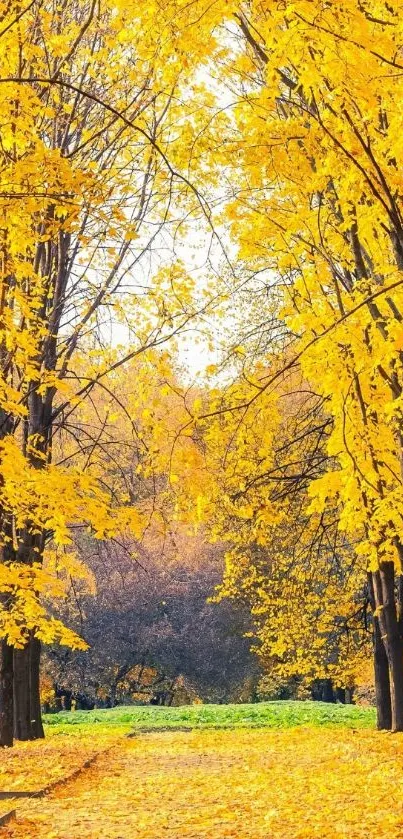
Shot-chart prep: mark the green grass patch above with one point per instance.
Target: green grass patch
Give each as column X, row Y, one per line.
column 283, row 714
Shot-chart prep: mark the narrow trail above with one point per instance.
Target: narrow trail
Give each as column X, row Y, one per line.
column 246, row 784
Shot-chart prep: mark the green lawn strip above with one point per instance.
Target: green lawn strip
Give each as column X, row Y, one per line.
column 76, row 724
column 282, row 714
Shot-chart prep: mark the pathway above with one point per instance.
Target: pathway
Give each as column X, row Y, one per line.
column 246, row 784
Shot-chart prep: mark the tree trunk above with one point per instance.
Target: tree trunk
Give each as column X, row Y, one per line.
column 6, row 695
column 382, row 682
column 22, row 710
column 327, row 691
column 6, row 651
column 34, row 689
column 349, row 692
column 66, row 701
column 381, row 667
column 112, row 694
column 27, row 703
column 384, row 585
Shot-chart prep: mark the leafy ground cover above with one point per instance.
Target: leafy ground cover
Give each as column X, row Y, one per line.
column 231, row 784
column 74, row 737
column 284, row 714
column 35, row 764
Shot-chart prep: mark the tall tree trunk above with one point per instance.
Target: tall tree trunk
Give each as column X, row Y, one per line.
column 27, row 703
column 6, row 695
column 381, row 667
column 384, row 586
column 394, row 644
column 6, row 651
column 22, row 705
column 34, row 689
column 382, row 682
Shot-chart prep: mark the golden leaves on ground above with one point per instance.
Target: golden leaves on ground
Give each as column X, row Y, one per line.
column 33, row 765
column 240, row 784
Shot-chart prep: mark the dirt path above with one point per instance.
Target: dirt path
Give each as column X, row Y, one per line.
column 295, row 784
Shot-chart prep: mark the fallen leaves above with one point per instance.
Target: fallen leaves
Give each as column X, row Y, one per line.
column 33, row 765
column 230, row 785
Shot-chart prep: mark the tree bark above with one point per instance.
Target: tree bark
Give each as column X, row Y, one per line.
column 382, row 682
column 384, row 589
column 22, row 710
column 27, row 702
column 394, row 644
column 381, row 669
column 6, row 651
column 6, row 695
column 37, row 731
column 327, row 692
column 66, row 701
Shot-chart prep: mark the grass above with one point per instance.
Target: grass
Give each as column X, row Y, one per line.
column 282, row 714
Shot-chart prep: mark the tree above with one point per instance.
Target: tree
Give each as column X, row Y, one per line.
column 292, row 567
column 313, row 139
column 291, row 131
column 151, row 595
column 87, row 110
column 154, row 615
